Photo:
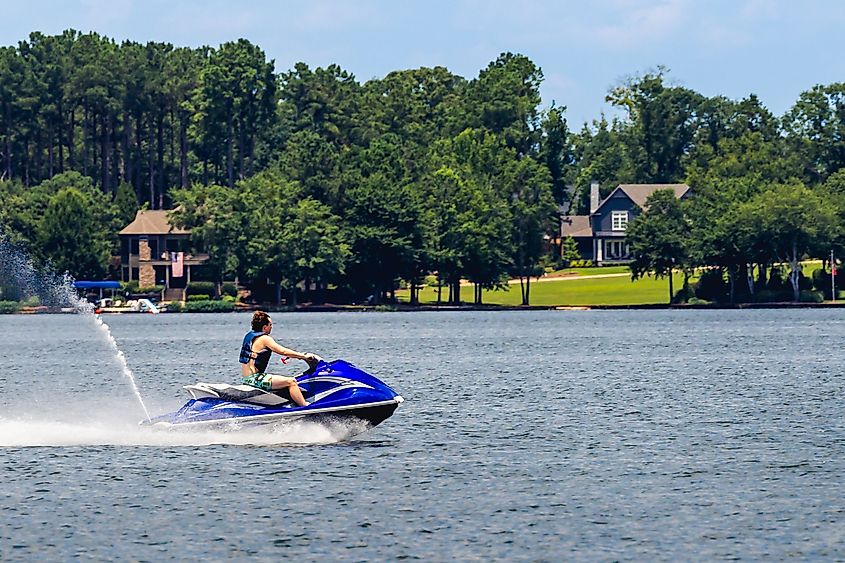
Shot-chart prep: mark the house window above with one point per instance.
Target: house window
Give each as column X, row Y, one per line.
column 619, row 220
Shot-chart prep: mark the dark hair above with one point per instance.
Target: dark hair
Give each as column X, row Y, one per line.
column 259, row 320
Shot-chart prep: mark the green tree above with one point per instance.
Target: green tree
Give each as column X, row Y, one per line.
column 71, row 237
column 217, row 220
column 794, row 220
column 663, row 122
column 657, row 238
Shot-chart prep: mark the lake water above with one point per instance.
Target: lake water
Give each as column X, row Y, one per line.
column 548, row 435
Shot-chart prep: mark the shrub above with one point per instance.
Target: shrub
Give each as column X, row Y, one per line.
column 697, row 301
column 31, row 301
column 773, row 296
column 230, row 289
column 199, row 297
column 130, row 286
column 208, row 306
column 151, row 289
column 175, row 307
column 200, row 288
column 807, row 296
column 684, row 295
column 431, row 281
column 229, row 299
column 711, row 286
column 821, row 282
column 9, row 307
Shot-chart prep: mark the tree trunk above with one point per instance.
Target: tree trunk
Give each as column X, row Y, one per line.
column 152, row 170
column 50, row 151
column 456, row 292
column 160, row 168
column 795, row 274
column 527, row 300
column 731, row 277
column 183, row 153
column 230, row 164
column 671, row 287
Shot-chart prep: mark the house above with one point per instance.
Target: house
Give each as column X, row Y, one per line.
column 146, row 245
column 601, row 234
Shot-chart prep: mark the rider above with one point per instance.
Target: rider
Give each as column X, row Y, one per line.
column 256, row 350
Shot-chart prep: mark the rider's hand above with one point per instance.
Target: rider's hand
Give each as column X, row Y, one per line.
column 312, row 357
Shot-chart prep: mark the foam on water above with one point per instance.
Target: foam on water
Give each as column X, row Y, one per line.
column 25, row 432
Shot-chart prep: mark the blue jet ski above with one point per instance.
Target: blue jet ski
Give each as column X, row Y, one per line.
column 335, row 391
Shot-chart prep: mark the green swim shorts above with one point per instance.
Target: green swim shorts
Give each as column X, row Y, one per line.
column 261, row 380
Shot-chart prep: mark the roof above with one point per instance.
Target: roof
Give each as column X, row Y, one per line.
column 152, row 222
column 575, row 226
column 638, row 193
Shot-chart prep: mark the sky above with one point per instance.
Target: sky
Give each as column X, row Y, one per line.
column 775, row 49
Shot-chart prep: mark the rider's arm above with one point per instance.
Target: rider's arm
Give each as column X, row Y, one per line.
column 270, row 343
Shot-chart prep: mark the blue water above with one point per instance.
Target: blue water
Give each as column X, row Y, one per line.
column 577, row 435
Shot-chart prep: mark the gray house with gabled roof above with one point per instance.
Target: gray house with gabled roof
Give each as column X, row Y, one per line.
column 601, row 234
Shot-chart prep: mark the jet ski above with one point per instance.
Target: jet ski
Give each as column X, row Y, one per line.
column 336, row 392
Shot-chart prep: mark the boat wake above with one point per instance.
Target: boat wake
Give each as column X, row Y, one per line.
column 29, row 432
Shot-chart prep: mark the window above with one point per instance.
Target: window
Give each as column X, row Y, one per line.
column 616, row 249
column 619, row 220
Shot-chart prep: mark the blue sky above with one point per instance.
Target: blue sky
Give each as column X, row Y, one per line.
column 773, row 48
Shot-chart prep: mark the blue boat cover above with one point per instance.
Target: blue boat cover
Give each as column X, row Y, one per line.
column 96, row 285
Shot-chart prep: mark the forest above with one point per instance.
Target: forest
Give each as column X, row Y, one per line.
column 310, row 175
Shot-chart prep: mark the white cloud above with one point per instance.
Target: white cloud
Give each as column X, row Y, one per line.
column 644, row 23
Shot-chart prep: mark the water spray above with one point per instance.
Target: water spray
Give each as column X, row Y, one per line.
column 58, row 291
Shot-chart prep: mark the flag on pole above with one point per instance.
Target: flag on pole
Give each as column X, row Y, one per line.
column 833, row 270
column 177, row 263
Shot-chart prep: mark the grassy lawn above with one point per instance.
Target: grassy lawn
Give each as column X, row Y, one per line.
column 582, row 291
column 583, row 288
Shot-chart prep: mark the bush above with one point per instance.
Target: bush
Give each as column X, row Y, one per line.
column 175, row 307
column 229, row 299
column 431, row 281
column 684, row 295
column 208, row 306
column 807, row 296
column 199, row 297
column 697, row 301
column 200, row 288
column 151, row 289
column 821, row 282
column 9, row 307
column 773, row 296
column 31, row 301
column 711, row 286
column 130, row 286
column 230, row 289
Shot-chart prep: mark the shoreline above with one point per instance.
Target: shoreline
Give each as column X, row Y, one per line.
column 391, row 308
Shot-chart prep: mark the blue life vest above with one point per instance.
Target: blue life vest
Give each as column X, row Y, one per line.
column 261, row 358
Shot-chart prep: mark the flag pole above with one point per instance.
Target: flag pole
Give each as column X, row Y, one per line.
column 832, row 277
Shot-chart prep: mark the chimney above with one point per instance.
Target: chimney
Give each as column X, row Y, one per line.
column 594, row 197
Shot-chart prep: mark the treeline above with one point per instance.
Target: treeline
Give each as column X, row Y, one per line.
column 310, row 175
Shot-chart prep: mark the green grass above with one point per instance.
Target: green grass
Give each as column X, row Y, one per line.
column 586, row 291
